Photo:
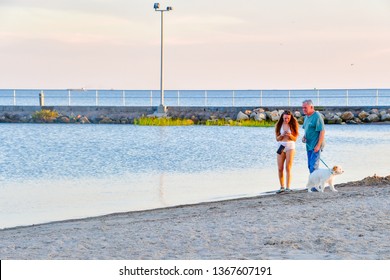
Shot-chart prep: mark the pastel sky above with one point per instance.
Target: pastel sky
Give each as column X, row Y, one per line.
column 209, row 44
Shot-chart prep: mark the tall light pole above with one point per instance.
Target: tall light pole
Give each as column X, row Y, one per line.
column 162, row 108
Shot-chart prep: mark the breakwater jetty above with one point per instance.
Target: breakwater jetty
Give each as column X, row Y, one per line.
column 198, row 115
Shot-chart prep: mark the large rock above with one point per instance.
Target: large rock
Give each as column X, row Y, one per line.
column 106, row 120
column 334, row 120
column 274, row 116
column 260, row 117
column 242, row 116
column 385, row 117
column 329, row 116
column 63, row 119
column 351, row 122
column 259, row 110
column 203, row 116
column 124, row 120
column 372, row 118
column 297, row 114
column 248, row 112
column 83, row 120
column 11, row 118
column 252, row 115
column 363, row 115
column 25, row 119
column 347, row 116
column 337, row 119
column 196, row 119
column 374, row 111
column 15, row 117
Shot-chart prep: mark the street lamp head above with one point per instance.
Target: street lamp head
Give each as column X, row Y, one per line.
column 169, row 8
column 156, row 6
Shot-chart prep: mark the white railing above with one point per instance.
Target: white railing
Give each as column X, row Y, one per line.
column 220, row 98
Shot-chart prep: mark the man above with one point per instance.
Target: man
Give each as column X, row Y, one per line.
column 314, row 134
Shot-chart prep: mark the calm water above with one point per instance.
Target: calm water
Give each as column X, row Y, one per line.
column 56, row 172
column 323, row 97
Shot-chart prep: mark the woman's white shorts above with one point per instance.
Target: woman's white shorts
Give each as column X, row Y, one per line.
column 289, row 145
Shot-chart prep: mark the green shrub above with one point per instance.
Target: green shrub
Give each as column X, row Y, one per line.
column 45, row 115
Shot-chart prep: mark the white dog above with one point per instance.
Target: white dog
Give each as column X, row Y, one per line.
column 320, row 177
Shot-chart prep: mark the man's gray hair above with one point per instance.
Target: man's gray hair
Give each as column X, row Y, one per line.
column 309, row 102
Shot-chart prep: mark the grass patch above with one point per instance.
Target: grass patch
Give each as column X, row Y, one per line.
column 162, row 122
column 248, row 123
column 49, row 116
column 45, row 115
column 145, row 121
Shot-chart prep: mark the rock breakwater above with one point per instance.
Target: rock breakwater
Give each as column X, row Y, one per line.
column 198, row 115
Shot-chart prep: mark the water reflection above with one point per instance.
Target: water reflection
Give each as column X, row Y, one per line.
column 162, row 190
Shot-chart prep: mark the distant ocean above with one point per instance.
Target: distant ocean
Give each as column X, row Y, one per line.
column 91, row 97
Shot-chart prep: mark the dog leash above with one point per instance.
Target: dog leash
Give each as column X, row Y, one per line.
column 326, row 165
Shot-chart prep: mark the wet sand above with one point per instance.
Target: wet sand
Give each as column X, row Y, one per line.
column 353, row 223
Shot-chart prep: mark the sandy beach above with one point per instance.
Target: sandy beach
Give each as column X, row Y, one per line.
column 353, row 223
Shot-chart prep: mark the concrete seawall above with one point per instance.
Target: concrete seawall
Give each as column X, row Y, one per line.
column 126, row 114
column 173, row 109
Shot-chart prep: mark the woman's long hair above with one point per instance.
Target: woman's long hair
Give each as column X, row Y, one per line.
column 293, row 124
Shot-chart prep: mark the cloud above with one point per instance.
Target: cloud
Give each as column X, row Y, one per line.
column 70, row 27
column 213, row 20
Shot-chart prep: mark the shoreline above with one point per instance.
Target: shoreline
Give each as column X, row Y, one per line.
column 75, row 220
column 350, row 224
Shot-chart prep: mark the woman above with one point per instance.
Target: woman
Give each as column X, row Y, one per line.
column 286, row 131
